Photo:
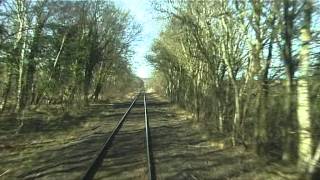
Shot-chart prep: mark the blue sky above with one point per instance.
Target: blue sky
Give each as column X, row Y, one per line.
column 143, row 14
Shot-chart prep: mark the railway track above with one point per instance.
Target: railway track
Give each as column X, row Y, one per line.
column 112, row 141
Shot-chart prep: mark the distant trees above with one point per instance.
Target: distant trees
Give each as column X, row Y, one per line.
column 62, row 52
column 242, row 69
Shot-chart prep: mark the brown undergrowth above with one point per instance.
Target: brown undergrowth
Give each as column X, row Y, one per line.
column 62, row 146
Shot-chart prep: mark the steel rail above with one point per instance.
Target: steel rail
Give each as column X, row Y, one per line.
column 149, row 158
column 93, row 168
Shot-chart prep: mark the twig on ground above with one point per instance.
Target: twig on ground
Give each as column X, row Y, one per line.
column 5, row 172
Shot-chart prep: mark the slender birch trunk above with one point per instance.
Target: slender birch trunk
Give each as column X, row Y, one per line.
column 303, row 109
column 21, row 36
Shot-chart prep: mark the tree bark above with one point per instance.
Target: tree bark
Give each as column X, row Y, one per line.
column 303, row 109
column 7, row 90
column 262, row 141
column 21, row 39
column 289, row 134
column 34, row 51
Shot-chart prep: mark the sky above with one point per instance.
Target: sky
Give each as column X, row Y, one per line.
column 143, row 13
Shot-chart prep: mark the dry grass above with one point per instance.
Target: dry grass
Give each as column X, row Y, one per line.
column 62, row 146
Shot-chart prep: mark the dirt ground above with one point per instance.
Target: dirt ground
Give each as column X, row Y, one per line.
column 63, row 146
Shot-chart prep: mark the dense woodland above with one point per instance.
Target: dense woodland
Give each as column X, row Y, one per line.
column 248, row 69
column 63, row 52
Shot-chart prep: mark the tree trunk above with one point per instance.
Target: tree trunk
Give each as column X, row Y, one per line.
column 237, row 118
column 262, row 124
column 91, row 62
column 31, row 65
column 303, row 109
column 260, row 131
column 6, row 91
column 221, row 109
column 87, row 82
column 21, row 38
column 97, row 91
column 29, row 87
column 289, row 135
column 314, row 169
